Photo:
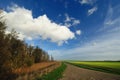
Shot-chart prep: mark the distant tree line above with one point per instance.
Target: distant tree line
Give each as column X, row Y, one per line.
column 15, row 53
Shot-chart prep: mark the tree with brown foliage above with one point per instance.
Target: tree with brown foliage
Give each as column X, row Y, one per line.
column 15, row 53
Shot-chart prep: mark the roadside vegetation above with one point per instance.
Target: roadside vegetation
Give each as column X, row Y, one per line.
column 15, row 53
column 55, row 74
column 104, row 66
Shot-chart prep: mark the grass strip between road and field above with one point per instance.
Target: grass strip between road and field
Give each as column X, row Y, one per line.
column 97, row 68
column 55, row 74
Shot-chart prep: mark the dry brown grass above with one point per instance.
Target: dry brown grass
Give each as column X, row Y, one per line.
column 34, row 67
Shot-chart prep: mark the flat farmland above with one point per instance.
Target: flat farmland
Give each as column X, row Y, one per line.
column 104, row 66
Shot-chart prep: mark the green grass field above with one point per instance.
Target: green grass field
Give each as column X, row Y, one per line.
column 104, row 66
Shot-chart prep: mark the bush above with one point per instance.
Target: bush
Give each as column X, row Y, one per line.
column 29, row 61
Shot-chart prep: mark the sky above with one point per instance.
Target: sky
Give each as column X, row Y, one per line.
column 67, row 29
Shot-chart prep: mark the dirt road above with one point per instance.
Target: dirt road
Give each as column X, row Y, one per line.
column 76, row 73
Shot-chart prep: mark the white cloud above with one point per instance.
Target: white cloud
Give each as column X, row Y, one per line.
column 7, row 32
column 105, row 46
column 70, row 21
column 68, row 24
column 22, row 21
column 92, row 10
column 21, row 36
column 91, row 2
column 100, row 49
column 78, row 32
column 84, row 2
column 112, row 20
column 76, row 22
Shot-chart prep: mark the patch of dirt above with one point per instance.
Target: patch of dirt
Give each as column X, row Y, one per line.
column 76, row 73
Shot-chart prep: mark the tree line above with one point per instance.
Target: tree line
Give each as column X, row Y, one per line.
column 15, row 53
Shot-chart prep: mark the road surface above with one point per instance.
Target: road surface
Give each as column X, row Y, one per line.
column 76, row 73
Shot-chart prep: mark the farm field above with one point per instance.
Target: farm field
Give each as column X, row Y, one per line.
column 104, row 66
column 76, row 73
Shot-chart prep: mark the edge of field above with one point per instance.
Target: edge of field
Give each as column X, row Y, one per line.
column 97, row 68
column 55, row 74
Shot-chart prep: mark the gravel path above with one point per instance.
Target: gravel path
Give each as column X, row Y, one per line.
column 76, row 73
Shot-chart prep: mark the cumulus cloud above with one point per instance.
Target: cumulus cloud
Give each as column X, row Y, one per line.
column 70, row 21
column 92, row 10
column 91, row 2
column 78, row 32
column 22, row 21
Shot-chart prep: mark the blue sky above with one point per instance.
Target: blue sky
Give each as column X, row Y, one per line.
column 67, row 29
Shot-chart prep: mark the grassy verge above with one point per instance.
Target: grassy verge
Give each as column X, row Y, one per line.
column 97, row 68
column 55, row 74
